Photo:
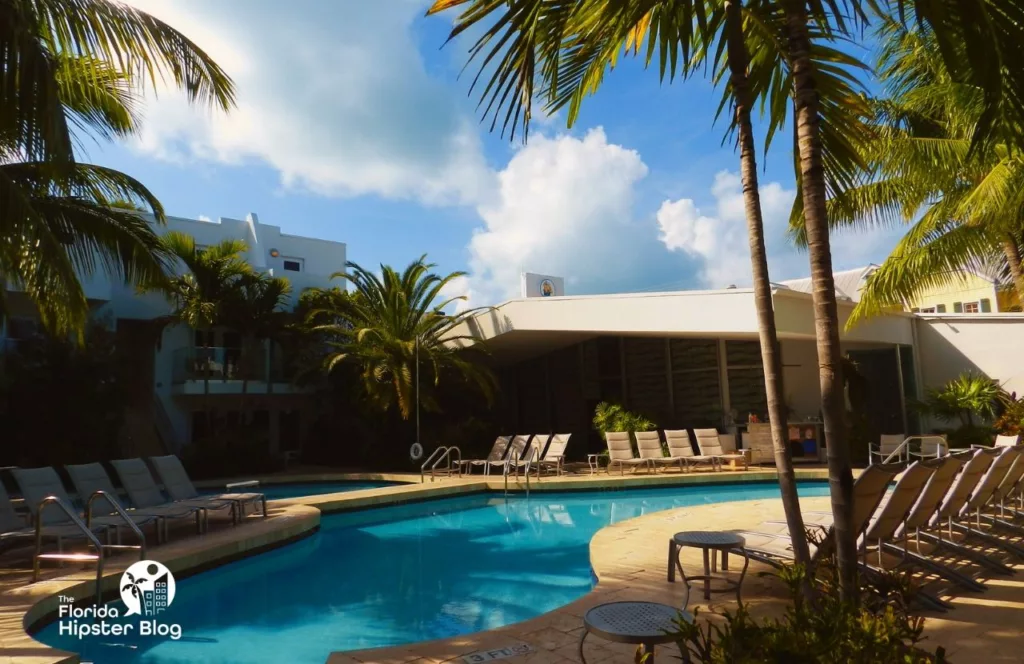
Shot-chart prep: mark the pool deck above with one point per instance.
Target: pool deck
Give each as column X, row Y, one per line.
column 629, row 559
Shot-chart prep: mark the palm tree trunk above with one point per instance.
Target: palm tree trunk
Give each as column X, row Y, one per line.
column 1012, row 251
column 206, row 385
column 738, row 62
column 826, row 318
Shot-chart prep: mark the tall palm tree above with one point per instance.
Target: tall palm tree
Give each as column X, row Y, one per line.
column 202, row 295
column 394, row 327
column 73, row 69
column 967, row 205
column 257, row 311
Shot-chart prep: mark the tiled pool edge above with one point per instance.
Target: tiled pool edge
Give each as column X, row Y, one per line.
column 26, row 606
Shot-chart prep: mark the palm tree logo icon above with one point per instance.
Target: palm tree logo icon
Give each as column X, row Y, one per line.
column 147, row 588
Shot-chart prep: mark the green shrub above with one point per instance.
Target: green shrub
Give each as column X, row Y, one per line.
column 966, row 396
column 821, row 628
column 613, row 417
column 1011, row 421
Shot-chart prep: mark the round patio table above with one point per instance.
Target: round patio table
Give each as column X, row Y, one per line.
column 710, row 542
column 644, row 623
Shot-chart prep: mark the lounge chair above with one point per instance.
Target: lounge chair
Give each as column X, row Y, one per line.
column 91, row 478
column 530, row 455
column 181, row 490
column 928, row 447
column 39, row 484
column 771, row 544
column 144, row 492
column 1006, row 441
column 516, row 451
column 888, row 444
column 496, row 454
column 13, row 526
column 680, row 449
column 620, row 451
column 554, row 455
column 710, row 445
column 648, row 443
column 986, row 497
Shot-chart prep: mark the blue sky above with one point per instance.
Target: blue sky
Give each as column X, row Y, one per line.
column 353, row 125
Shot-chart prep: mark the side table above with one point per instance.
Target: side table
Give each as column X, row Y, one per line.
column 592, row 461
column 710, row 543
column 644, row 623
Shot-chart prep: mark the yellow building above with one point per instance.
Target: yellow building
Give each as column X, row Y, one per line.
column 970, row 293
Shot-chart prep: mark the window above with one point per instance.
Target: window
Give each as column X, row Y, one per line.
column 986, row 306
column 928, row 310
column 293, row 265
column 971, row 308
column 941, row 309
column 958, row 307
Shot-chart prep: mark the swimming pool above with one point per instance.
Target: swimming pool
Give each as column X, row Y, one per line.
column 299, row 489
column 397, row 575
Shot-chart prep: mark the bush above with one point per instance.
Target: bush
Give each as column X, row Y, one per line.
column 1011, row 421
column 613, row 417
column 821, row 628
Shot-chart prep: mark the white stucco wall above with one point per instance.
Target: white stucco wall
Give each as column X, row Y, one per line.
column 989, row 343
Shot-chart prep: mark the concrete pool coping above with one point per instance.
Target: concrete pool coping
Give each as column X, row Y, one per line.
column 24, row 606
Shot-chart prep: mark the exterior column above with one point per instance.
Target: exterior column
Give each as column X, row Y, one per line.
column 723, row 380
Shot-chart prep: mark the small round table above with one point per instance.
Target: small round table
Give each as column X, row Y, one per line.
column 645, row 623
column 710, row 542
column 593, row 462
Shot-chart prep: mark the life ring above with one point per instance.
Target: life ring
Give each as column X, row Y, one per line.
column 416, row 452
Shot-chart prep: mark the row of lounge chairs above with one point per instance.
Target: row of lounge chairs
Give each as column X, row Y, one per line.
column 711, row 444
column 101, row 512
column 543, row 452
column 943, row 516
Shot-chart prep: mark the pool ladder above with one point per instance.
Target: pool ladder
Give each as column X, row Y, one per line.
column 439, row 455
column 517, row 458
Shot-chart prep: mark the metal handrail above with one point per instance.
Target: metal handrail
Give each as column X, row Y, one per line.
column 533, row 453
column 423, row 468
column 447, row 455
column 91, row 536
column 898, row 453
column 121, row 513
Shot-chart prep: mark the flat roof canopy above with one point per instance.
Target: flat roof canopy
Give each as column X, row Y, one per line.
column 530, row 326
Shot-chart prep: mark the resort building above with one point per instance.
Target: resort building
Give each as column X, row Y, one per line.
column 692, row 358
column 167, row 378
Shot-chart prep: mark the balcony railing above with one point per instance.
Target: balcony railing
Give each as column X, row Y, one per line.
column 226, row 364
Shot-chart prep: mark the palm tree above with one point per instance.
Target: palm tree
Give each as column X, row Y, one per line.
column 393, row 327
column 968, row 203
column 594, row 42
column 69, row 66
column 257, row 311
column 202, row 295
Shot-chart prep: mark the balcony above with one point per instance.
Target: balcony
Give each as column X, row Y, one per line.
column 226, row 369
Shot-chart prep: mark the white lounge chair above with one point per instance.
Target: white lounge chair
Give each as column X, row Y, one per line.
column 181, row 490
column 648, row 443
column 497, row 453
column 928, row 447
column 620, row 451
column 516, row 451
column 554, row 456
column 144, row 492
column 1006, row 441
column 887, row 445
column 680, row 449
column 710, row 444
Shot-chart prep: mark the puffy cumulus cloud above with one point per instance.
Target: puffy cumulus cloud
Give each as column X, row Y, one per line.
column 334, row 95
column 564, row 206
column 719, row 239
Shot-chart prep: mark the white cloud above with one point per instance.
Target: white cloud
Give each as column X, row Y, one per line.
column 564, row 206
column 335, row 96
column 719, row 240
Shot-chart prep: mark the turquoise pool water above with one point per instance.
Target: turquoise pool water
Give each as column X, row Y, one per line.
column 397, row 575
column 297, row 489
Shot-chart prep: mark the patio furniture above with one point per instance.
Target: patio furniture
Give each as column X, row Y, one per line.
column 888, row 444
column 680, row 449
column 554, row 455
column 497, row 453
column 592, row 462
column 928, row 447
column 181, row 490
column 530, row 454
column 144, row 493
column 711, row 445
column 1005, row 441
column 646, row 624
column 91, row 479
column 710, row 543
column 620, row 451
column 515, row 451
column 648, row 443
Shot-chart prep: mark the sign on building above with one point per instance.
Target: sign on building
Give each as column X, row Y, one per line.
column 541, row 285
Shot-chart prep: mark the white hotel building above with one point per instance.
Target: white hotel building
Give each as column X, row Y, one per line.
column 166, row 377
column 685, row 358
